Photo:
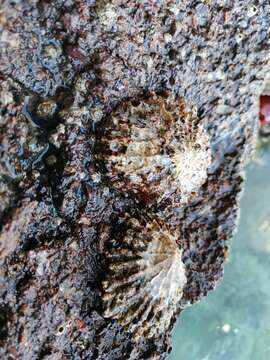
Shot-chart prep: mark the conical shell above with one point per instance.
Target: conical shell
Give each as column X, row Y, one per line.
column 153, row 147
column 146, row 277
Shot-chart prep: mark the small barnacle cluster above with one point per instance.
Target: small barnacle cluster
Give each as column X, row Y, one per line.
column 157, row 151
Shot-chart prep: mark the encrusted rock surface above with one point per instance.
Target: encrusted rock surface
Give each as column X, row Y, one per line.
column 67, row 66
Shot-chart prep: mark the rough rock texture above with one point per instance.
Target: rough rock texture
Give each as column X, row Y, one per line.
column 66, row 65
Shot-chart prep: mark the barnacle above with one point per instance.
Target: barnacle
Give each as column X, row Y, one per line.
column 47, row 123
column 155, row 148
column 146, row 277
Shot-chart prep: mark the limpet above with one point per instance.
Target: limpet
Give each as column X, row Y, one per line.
column 146, row 276
column 154, row 148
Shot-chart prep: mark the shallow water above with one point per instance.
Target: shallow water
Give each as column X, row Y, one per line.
column 233, row 322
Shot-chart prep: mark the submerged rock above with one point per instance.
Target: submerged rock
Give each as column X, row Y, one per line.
column 152, row 111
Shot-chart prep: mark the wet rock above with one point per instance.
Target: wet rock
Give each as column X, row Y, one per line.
column 88, row 59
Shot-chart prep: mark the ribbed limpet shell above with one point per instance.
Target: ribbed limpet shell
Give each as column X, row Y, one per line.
column 155, row 148
column 146, row 276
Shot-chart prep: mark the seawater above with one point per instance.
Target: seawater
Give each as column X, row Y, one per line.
column 233, row 322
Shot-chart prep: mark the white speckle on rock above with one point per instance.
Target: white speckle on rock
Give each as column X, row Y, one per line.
column 96, row 177
column 224, row 109
column 175, row 9
column 226, row 328
column 252, row 11
column 239, row 38
column 168, row 38
column 42, row 261
column 216, row 75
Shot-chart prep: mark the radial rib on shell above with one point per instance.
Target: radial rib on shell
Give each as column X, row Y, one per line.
column 146, row 277
column 153, row 147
